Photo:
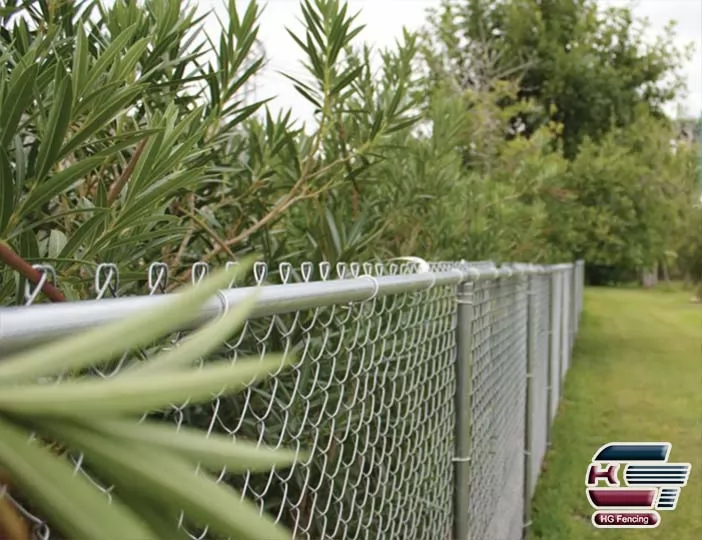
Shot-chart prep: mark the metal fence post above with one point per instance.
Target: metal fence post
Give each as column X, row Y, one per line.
column 531, row 337
column 554, row 361
column 576, row 288
column 581, row 288
column 565, row 332
column 464, row 374
column 573, row 307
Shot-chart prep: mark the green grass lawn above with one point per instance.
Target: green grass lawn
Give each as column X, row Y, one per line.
column 636, row 376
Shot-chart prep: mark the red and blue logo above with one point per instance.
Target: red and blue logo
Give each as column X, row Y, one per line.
column 650, row 483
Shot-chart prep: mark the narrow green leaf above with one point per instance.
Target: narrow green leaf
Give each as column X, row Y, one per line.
column 164, row 520
column 129, row 60
column 106, row 342
column 20, row 167
column 175, row 150
column 377, row 124
column 7, row 190
column 133, row 240
column 161, row 190
column 120, row 142
column 213, row 85
column 135, row 395
column 305, row 94
column 28, row 246
column 56, row 126
column 16, row 101
column 333, row 230
column 201, row 343
column 234, row 21
column 243, row 49
column 316, row 61
column 163, row 476
column 297, row 40
column 395, row 101
column 404, row 124
column 240, row 81
column 68, row 499
column 224, row 59
column 353, row 33
column 117, row 235
column 112, row 107
column 149, row 222
column 142, row 175
column 179, row 64
column 346, row 79
column 21, row 38
column 252, row 15
column 90, row 228
column 97, row 97
column 109, row 55
column 101, row 194
column 314, row 26
column 46, row 190
column 242, row 114
column 81, row 60
column 338, row 35
column 210, row 450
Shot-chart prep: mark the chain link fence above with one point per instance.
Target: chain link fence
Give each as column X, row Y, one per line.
column 423, row 394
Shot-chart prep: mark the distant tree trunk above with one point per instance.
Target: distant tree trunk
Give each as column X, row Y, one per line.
column 687, row 281
column 649, row 277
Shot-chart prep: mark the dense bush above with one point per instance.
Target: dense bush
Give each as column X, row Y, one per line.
column 122, row 143
column 689, row 252
column 632, row 194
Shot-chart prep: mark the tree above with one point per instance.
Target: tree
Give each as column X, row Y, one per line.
column 631, row 194
column 685, row 240
column 586, row 67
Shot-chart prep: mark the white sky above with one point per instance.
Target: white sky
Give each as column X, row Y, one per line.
column 384, row 20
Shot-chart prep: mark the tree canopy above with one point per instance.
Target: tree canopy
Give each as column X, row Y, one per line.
column 588, row 68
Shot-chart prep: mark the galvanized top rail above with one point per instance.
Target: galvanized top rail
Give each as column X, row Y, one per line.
column 24, row 326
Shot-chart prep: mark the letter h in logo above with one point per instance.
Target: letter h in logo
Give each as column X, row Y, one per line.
column 608, row 473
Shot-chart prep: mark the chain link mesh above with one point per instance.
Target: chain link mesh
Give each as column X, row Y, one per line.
column 371, row 398
column 540, row 294
column 566, row 288
column 497, row 409
column 555, row 350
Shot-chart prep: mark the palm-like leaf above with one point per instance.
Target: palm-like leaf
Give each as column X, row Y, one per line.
column 100, row 417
